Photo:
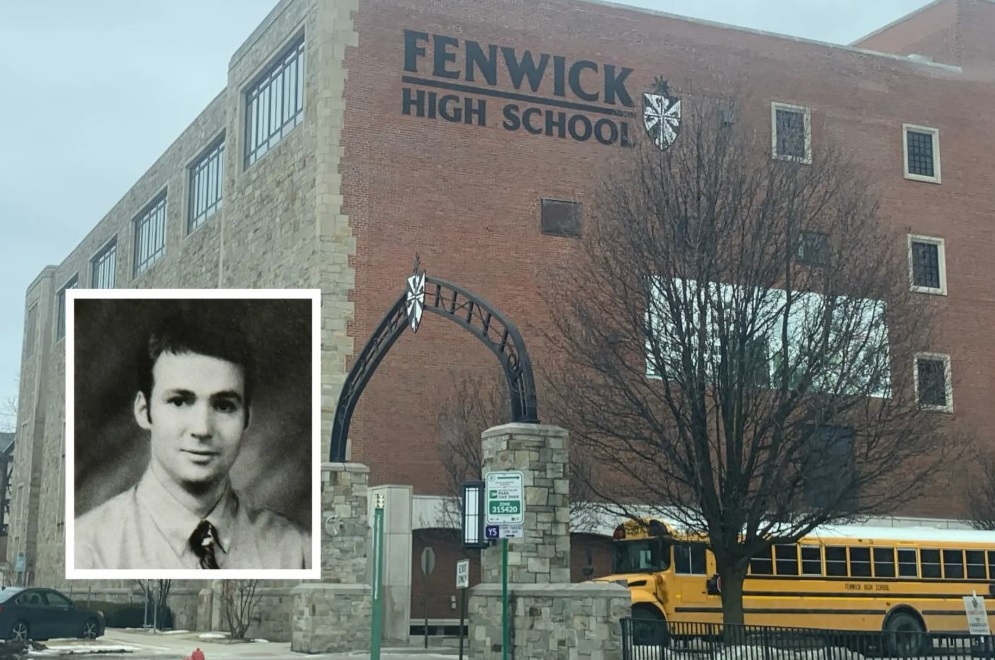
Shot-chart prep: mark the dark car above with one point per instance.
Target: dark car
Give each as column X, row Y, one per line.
column 38, row 613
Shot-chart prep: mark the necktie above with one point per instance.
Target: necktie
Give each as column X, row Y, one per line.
column 202, row 544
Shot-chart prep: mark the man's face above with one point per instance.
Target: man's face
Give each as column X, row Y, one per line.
column 196, row 415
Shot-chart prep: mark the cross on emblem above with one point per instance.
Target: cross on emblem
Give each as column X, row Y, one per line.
column 661, row 115
column 415, row 302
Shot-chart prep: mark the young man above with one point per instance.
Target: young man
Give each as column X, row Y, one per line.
column 195, row 391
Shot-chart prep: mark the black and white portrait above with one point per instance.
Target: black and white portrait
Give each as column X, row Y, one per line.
column 192, row 429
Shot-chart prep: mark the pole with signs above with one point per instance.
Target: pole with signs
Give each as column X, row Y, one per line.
column 375, row 624
column 505, row 515
column 462, row 583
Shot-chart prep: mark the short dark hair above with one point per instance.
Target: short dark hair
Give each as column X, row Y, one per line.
column 201, row 327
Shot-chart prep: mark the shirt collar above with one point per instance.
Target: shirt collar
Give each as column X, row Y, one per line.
column 176, row 522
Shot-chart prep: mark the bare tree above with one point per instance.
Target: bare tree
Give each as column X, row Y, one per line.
column 475, row 405
column 8, row 412
column 736, row 346
column 239, row 599
column 156, row 596
column 981, row 500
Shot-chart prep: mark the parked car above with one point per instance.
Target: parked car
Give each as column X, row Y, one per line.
column 38, row 613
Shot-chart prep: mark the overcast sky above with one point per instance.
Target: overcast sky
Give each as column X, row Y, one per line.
column 94, row 91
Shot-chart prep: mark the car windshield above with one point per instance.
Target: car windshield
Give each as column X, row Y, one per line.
column 641, row 556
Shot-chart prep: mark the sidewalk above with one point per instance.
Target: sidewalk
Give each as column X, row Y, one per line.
column 180, row 644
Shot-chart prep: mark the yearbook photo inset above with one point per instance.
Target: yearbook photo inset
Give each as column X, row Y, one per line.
column 192, row 434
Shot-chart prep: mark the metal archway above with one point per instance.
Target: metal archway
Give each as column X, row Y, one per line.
column 466, row 309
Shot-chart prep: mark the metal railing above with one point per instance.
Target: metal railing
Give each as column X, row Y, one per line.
column 648, row 639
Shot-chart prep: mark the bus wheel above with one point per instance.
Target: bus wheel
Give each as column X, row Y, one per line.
column 649, row 628
column 904, row 635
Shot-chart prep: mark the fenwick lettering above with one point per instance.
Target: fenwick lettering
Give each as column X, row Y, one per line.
column 554, row 96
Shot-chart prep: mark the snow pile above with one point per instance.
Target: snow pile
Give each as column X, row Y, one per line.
column 212, row 635
column 81, row 649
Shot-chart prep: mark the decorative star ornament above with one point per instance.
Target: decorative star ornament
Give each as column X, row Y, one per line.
column 415, row 303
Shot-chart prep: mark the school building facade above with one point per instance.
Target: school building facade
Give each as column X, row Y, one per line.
column 353, row 134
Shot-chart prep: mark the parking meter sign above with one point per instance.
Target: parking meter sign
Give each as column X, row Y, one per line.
column 505, row 498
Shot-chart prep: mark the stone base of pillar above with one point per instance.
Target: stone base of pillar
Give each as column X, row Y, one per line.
column 331, row 618
column 551, row 621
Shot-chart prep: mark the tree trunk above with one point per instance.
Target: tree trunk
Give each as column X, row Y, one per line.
column 732, row 598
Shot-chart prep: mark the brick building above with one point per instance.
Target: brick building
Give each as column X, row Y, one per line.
column 353, row 134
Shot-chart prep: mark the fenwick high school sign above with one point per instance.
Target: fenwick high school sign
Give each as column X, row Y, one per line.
column 456, row 80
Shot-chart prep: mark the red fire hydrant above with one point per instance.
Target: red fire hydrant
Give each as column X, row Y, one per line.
column 196, row 655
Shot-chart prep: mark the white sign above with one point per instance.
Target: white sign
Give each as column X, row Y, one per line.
column 977, row 615
column 512, row 532
column 463, row 574
column 505, row 503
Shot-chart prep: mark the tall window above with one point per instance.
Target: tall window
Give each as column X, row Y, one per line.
column 932, row 378
column 31, row 328
column 60, row 324
column 791, row 133
column 922, row 153
column 150, row 234
column 828, row 462
column 275, row 102
column 206, row 184
column 104, row 267
column 927, row 264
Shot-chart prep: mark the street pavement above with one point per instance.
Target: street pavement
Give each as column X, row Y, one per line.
column 145, row 645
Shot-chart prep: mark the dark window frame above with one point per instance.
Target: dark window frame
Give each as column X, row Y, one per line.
column 99, row 268
column 813, row 248
column 923, row 272
column 206, row 184
column 150, row 247
column 561, row 217
column 943, row 361
column 921, row 153
column 780, row 144
column 270, row 117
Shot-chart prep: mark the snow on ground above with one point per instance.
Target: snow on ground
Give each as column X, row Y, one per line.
column 81, row 649
column 212, row 635
column 259, row 641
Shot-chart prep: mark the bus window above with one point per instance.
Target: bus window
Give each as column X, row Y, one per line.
column 976, row 564
column 786, row 557
column 641, row 556
column 930, row 560
column 836, row 561
column 953, row 564
column 860, row 562
column 884, row 562
column 907, row 564
column 761, row 563
column 991, row 563
column 811, row 560
column 689, row 558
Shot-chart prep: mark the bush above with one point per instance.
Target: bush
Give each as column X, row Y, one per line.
column 128, row 615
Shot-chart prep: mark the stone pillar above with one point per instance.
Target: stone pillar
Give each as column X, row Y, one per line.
column 540, row 453
column 548, row 616
column 334, row 615
column 396, row 561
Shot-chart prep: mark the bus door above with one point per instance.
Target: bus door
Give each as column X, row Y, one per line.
column 690, row 574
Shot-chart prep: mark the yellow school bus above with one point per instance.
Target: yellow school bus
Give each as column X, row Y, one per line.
column 857, row 578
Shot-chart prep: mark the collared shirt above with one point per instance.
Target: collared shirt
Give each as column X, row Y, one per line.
column 146, row 527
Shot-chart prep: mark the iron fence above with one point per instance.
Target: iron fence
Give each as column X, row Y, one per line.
column 650, row 639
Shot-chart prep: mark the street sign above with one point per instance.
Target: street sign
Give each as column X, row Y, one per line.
column 977, row 615
column 463, row 574
column 505, row 498
column 496, row 532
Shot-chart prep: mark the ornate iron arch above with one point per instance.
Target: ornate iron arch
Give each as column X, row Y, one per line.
column 469, row 311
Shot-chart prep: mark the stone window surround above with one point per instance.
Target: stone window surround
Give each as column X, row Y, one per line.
column 941, row 263
column 806, row 114
column 945, row 358
column 935, row 132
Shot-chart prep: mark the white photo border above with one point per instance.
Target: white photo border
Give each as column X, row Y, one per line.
column 313, row 573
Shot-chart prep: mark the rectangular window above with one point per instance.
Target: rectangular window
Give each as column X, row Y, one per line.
column 927, row 264
column 761, row 563
column 932, row 378
column 836, row 561
column 207, row 178
column 813, row 248
column 860, row 562
column 884, row 562
column 953, row 564
column 791, row 133
column 103, row 267
column 560, row 218
column 908, row 563
column 689, row 558
column 930, row 560
column 811, row 560
column 786, row 558
column 828, row 465
column 921, row 147
column 274, row 104
column 991, row 562
column 150, row 234
column 975, row 564
column 30, row 328
column 60, row 313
